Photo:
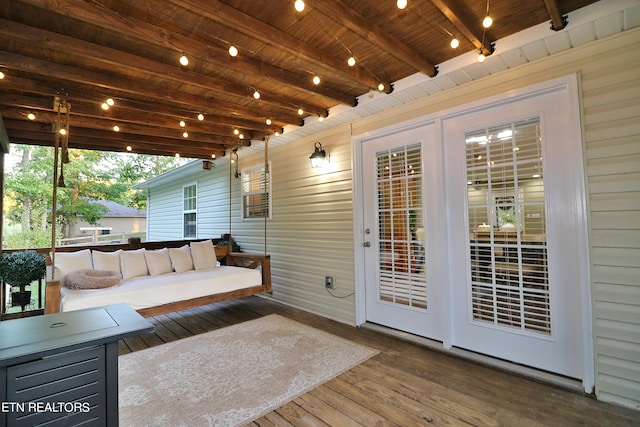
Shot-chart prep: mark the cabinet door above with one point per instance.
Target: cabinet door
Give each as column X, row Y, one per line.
column 65, row 389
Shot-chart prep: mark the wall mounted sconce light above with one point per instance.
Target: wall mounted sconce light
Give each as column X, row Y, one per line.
column 319, row 158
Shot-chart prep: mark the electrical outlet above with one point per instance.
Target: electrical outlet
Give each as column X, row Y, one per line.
column 329, row 283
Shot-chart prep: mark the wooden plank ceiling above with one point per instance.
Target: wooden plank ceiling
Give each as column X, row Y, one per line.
column 79, row 53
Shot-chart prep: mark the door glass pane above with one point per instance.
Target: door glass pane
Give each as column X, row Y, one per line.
column 401, row 226
column 507, row 226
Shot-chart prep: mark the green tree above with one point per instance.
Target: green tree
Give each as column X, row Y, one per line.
column 89, row 176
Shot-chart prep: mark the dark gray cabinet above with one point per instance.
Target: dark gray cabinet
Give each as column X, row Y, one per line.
column 62, row 369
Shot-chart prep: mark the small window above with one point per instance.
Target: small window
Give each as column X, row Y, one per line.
column 256, row 192
column 189, row 213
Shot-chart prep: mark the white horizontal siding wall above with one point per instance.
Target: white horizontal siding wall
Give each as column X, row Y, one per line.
column 311, row 236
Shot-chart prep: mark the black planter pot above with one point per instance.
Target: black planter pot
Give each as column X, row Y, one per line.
column 20, row 298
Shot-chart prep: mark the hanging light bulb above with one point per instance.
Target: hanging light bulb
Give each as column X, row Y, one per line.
column 116, row 128
column 184, row 61
column 455, row 43
column 241, row 136
column 182, row 123
column 129, row 148
column 185, row 134
column 213, row 156
column 401, row 4
column 177, row 155
column 110, row 102
column 351, row 61
column 1, row 75
column 481, row 57
column 201, row 117
column 268, row 122
column 320, row 118
column 104, row 106
column 487, row 21
column 316, row 80
column 31, row 116
column 233, row 51
column 300, row 111
column 299, row 5
column 381, row 87
column 236, row 131
column 63, row 131
column 256, row 94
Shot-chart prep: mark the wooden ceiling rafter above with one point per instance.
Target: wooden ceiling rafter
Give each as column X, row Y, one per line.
column 117, row 59
column 129, row 106
column 475, row 36
column 358, row 24
column 228, row 16
column 558, row 21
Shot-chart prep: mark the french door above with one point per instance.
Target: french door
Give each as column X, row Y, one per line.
column 401, row 282
column 474, row 231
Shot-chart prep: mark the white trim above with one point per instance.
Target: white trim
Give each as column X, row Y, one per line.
column 188, row 211
column 569, row 82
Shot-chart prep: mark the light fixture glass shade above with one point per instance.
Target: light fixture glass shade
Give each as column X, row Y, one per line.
column 319, row 157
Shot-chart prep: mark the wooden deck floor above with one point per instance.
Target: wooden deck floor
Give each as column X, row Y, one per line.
column 404, row 385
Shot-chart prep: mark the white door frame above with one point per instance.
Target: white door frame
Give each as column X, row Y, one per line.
column 570, row 82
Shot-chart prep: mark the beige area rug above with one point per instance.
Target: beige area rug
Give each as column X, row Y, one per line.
column 230, row 376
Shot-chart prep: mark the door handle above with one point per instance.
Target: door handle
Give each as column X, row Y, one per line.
column 367, row 244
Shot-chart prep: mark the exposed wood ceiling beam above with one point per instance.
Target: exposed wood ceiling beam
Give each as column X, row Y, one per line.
column 4, row 138
column 116, row 59
column 129, row 26
column 91, row 139
column 353, row 20
column 228, row 16
column 465, row 28
column 128, row 106
column 131, row 88
column 558, row 22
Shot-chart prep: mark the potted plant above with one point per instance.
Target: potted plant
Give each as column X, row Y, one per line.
column 19, row 269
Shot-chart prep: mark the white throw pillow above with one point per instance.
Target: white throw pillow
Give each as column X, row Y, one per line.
column 158, row 261
column 133, row 264
column 181, row 259
column 66, row 262
column 203, row 254
column 106, row 260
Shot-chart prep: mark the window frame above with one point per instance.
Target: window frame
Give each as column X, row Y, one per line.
column 244, row 195
column 193, row 211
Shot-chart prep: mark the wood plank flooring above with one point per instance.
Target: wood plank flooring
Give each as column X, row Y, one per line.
column 404, row 385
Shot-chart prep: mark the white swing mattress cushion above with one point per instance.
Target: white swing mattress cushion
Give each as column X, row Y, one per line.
column 150, row 291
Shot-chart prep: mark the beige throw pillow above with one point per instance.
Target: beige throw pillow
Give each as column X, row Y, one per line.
column 203, row 254
column 133, row 264
column 106, row 260
column 66, row 262
column 158, row 261
column 181, row 259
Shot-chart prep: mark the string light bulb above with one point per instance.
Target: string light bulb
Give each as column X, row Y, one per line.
column 63, row 131
column 268, row 122
column 455, row 43
column 31, row 116
column 104, row 106
column 116, row 128
column 1, row 75
column 129, row 148
column 300, row 111
column 381, row 87
column 182, row 123
column 299, row 5
column 236, row 132
column 481, row 57
column 316, row 80
column 256, row 94
column 402, row 4
column 233, row 51
column 185, row 134
column 351, row 61
column 487, row 21
column 184, row 61
column 110, row 102
column 201, row 117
